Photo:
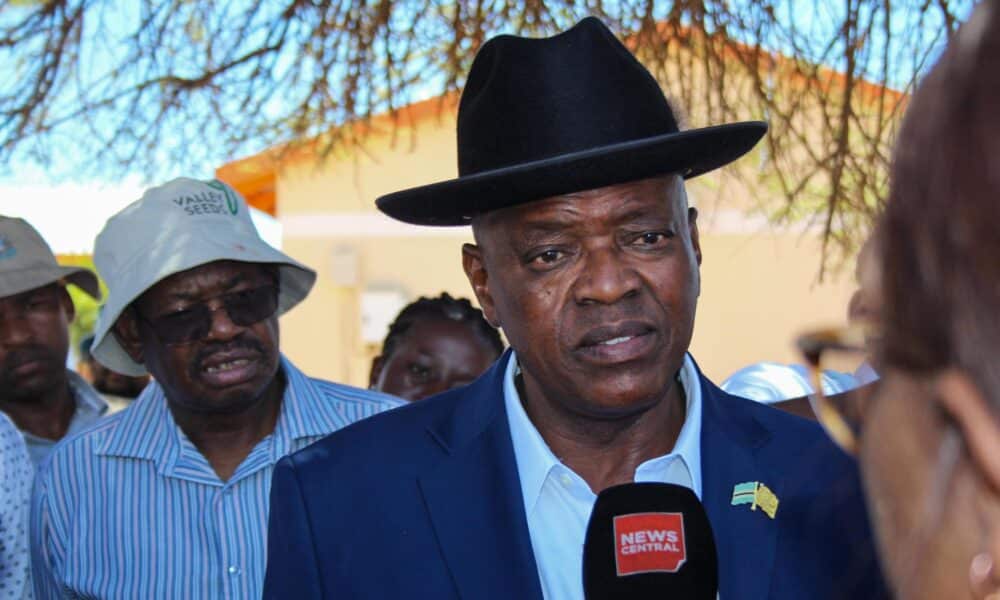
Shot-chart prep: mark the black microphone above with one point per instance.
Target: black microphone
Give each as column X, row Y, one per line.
column 649, row 540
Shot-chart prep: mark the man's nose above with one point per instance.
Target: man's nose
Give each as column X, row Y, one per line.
column 222, row 325
column 606, row 277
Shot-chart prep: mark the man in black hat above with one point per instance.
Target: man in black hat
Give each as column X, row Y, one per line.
column 572, row 174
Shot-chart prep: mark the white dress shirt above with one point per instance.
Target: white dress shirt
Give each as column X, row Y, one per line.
column 558, row 502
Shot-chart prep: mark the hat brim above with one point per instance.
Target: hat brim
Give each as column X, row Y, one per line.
column 23, row 280
column 295, row 282
column 687, row 153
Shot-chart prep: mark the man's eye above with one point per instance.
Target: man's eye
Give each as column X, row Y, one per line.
column 419, row 372
column 547, row 257
column 39, row 303
column 178, row 317
column 653, row 238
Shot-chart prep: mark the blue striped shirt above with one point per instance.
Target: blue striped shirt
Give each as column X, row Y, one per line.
column 131, row 509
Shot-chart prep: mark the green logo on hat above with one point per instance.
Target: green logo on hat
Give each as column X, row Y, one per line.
column 7, row 250
column 231, row 201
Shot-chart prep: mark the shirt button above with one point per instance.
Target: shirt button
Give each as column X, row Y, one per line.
column 233, row 570
column 566, row 480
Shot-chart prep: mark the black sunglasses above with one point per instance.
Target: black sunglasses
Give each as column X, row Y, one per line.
column 244, row 308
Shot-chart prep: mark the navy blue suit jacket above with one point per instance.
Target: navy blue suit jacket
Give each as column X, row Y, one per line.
column 424, row 501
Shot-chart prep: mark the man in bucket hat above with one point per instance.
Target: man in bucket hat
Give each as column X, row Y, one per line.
column 571, row 173
column 40, row 395
column 169, row 498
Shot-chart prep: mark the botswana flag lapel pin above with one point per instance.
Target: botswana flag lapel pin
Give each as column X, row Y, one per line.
column 755, row 494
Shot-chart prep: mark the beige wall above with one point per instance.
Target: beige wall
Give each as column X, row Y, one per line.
column 758, row 290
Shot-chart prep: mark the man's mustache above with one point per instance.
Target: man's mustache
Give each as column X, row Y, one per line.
column 211, row 348
column 25, row 354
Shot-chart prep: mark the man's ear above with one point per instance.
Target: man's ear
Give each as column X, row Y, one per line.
column 126, row 331
column 479, row 279
column 965, row 403
column 377, row 363
column 693, row 232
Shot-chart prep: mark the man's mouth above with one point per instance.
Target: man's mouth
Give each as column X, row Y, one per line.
column 620, row 342
column 617, row 340
column 28, row 367
column 226, row 366
column 26, row 363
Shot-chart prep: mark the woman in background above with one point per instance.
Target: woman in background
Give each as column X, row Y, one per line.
column 434, row 344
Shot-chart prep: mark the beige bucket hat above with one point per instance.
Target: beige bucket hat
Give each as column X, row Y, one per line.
column 27, row 262
column 177, row 226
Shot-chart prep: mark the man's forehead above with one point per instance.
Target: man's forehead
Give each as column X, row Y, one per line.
column 48, row 288
column 218, row 275
column 621, row 201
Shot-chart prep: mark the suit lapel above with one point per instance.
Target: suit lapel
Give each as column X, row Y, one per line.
column 474, row 498
column 745, row 538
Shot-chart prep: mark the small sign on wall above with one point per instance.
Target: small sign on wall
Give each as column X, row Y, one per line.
column 379, row 307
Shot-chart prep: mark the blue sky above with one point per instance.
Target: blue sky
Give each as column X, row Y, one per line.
column 120, row 18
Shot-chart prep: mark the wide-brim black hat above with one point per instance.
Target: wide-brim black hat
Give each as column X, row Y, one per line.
column 544, row 117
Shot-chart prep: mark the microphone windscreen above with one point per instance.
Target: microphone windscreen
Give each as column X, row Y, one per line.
column 649, row 540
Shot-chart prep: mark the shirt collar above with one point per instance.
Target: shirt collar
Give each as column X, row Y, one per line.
column 147, row 430
column 305, row 411
column 535, row 459
column 88, row 400
column 89, row 406
column 533, row 456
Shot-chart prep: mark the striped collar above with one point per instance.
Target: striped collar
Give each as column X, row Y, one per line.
column 87, row 398
column 146, row 429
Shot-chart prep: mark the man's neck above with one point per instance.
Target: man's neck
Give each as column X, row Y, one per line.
column 225, row 440
column 47, row 415
column 606, row 452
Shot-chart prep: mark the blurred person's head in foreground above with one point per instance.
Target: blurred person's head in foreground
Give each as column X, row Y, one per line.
column 104, row 379
column 930, row 448
column 433, row 345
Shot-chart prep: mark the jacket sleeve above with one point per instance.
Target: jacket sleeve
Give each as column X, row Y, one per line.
column 292, row 568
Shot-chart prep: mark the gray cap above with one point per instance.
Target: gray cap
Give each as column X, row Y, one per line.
column 27, row 262
column 177, row 226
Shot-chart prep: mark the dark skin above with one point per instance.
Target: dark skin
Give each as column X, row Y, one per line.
column 225, row 389
column 435, row 355
column 596, row 292
column 34, row 340
column 107, row 381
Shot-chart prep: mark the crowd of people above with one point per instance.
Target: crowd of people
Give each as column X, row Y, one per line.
column 190, row 458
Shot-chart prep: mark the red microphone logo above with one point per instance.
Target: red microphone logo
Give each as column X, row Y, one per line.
column 649, row 543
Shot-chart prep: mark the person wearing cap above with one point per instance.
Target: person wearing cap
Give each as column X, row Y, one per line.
column 169, row 498
column 571, row 173
column 41, row 396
